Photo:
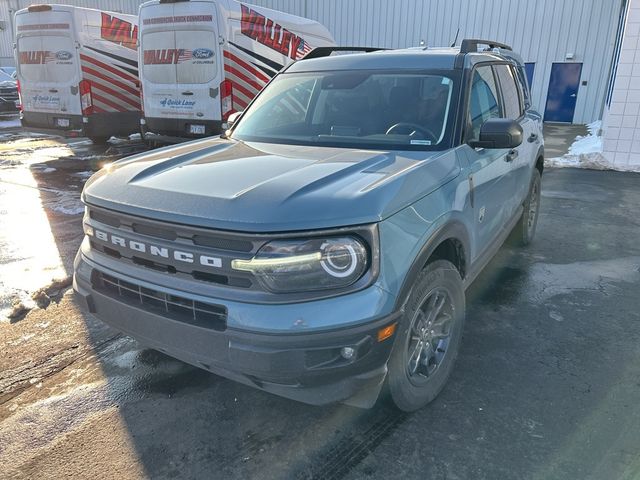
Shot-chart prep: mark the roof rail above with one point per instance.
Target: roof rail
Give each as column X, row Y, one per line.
column 326, row 51
column 470, row 45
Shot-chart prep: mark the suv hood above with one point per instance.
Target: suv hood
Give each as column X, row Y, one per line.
column 258, row 187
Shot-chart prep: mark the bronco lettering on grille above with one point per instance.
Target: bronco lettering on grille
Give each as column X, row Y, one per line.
column 157, row 251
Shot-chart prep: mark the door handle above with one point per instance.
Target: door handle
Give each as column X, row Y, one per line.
column 187, row 93
column 53, row 90
column 511, row 156
column 574, row 95
column 532, row 138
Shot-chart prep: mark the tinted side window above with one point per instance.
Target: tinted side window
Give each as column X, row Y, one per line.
column 483, row 102
column 524, row 84
column 510, row 94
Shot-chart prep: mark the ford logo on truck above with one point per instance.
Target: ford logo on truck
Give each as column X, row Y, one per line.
column 202, row 53
column 63, row 55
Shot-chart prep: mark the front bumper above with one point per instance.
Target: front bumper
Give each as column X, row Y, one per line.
column 303, row 365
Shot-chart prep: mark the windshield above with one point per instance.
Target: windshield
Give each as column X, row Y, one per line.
column 4, row 77
column 356, row 109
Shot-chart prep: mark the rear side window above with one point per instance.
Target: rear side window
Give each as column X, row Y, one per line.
column 47, row 58
column 511, row 95
column 524, row 86
column 483, row 102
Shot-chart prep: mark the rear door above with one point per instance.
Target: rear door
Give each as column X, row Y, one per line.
column 523, row 156
column 180, row 61
column 491, row 173
column 48, row 63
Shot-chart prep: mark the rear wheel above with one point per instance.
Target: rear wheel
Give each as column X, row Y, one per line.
column 525, row 229
column 429, row 337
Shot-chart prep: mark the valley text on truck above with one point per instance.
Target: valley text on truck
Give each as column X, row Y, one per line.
column 203, row 60
column 78, row 71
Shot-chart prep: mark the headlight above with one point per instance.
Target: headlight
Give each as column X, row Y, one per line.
column 308, row 264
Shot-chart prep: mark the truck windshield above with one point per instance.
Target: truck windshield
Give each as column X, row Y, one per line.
column 355, row 109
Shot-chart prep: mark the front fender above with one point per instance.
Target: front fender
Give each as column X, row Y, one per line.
column 409, row 238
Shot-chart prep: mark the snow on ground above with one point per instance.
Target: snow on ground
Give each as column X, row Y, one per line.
column 67, row 203
column 586, row 152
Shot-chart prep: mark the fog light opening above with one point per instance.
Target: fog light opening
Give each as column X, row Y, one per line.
column 348, row 353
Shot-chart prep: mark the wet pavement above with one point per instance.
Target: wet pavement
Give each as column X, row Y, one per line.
column 41, row 178
column 558, row 137
column 546, row 385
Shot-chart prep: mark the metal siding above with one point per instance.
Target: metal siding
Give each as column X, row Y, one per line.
column 542, row 31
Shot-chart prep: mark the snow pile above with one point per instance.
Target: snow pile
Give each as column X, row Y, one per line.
column 591, row 143
column 586, row 152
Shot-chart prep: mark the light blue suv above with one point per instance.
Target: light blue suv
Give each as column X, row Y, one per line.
column 321, row 249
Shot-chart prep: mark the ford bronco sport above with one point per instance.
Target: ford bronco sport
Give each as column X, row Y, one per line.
column 320, row 250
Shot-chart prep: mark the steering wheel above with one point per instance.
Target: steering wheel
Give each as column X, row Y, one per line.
column 413, row 129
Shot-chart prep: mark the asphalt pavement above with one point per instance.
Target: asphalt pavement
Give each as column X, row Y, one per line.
column 546, row 385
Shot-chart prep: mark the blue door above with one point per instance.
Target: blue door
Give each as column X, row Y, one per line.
column 563, row 92
column 529, row 67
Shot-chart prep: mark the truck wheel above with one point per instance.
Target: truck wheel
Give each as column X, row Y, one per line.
column 428, row 339
column 99, row 140
column 525, row 229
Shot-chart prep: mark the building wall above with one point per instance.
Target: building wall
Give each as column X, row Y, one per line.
column 621, row 123
column 542, row 31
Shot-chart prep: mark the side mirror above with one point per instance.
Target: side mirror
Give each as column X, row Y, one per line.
column 233, row 118
column 499, row 133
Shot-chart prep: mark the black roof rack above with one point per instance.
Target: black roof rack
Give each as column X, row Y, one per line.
column 326, row 51
column 470, row 45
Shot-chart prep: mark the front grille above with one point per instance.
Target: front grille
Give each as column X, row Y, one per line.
column 178, row 308
column 168, row 232
column 219, row 279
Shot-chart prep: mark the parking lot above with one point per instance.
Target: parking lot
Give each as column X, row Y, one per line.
column 546, row 385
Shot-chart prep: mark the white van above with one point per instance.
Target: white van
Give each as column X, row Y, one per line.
column 202, row 60
column 78, row 71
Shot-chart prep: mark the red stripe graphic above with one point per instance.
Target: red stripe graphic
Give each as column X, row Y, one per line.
column 101, row 99
column 123, row 86
column 239, row 74
column 97, row 109
column 244, row 64
column 113, row 93
column 241, row 103
column 246, row 92
column 120, row 73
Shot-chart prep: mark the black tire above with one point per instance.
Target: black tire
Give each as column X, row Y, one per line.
column 410, row 390
column 525, row 229
column 99, row 140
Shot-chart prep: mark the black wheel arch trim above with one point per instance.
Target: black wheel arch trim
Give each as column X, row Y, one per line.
column 453, row 229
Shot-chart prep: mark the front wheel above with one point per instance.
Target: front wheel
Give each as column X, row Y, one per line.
column 429, row 337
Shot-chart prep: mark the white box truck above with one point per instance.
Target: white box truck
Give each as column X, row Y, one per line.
column 78, row 71
column 202, row 60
